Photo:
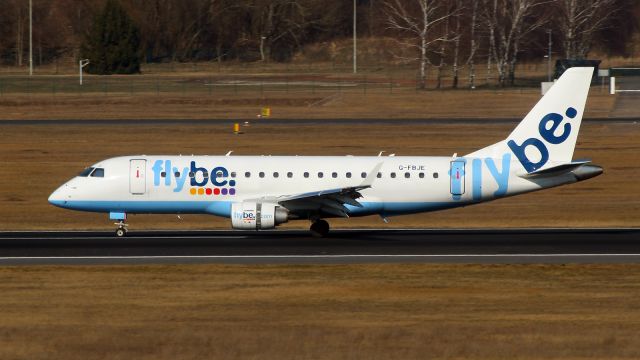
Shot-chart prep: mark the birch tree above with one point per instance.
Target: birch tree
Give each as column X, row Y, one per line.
column 508, row 22
column 444, row 42
column 415, row 28
column 473, row 43
column 579, row 21
column 460, row 13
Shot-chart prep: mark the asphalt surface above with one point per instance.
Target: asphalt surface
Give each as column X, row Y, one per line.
column 341, row 247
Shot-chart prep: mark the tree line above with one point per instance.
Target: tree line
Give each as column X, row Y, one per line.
column 443, row 34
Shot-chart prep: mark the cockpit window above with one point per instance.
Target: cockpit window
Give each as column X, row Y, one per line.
column 98, row 172
column 86, row 172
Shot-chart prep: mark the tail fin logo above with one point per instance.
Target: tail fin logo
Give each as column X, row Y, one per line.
column 547, row 130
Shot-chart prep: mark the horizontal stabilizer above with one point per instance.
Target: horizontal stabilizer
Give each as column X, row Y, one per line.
column 555, row 169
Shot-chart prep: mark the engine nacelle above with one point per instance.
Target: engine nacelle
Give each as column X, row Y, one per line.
column 257, row 216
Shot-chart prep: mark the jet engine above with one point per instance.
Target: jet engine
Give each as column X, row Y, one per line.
column 257, row 216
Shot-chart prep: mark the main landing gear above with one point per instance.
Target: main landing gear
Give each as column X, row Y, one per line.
column 121, row 231
column 319, row 228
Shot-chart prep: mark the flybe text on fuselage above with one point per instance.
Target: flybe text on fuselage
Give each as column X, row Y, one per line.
column 164, row 174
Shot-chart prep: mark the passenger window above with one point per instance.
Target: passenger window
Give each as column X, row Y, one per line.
column 306, row 174
column 233, row 174
column 379, row 175
column 86, row 172
column 219, row 174
column 363, row 174
column 320, row 175
column 163, row 174
column 275, row 174
column 421, row 175
column 334, row 175
column 348, row 175
column 205, row 174
column 393, row 175
column 435, row 175
column 191, row 174
column 407, row 175
column 261, row 174
column 247, row 174
column 289, row 174
column 98, row 172
column 177, row 174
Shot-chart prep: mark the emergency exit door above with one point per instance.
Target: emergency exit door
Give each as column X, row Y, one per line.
column 457, row 177
column 137, row 176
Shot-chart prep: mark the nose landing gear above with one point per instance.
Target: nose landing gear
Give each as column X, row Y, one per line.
column 121, row 231
column 121, row 217
column 319, row 228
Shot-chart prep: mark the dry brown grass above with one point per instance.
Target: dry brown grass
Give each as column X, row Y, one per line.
column 303, row 104
column 320, row 312
column 37, row 159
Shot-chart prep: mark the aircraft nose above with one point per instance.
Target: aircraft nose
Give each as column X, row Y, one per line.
column 60, row 196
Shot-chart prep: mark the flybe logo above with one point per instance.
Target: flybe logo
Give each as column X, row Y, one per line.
column 547, row 129
column 248, row 216
column 201, row 181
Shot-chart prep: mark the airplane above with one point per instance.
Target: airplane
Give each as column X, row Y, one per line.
column 262, row 192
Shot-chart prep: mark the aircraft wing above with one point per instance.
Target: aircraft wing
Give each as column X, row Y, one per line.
column 326, row 202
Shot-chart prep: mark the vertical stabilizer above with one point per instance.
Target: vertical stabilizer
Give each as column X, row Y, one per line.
column 547, row 135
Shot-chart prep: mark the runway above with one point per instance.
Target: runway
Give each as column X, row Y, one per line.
column 519, row 246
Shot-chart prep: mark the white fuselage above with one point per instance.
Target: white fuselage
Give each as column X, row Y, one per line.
column 162, row 184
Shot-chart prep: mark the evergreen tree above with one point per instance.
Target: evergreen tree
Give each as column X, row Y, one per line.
column 113, row 43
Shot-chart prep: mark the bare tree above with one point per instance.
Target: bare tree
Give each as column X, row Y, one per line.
column 415, row 28
column 579, row 21
column 20, row 20
column 444, row 42
column 223, row 15
column 508, row 22
column 458, row 13
column 281, row 23
column 473, row 43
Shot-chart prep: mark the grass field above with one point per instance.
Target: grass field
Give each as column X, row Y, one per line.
column 238, row 91
column 301, row 105
column 37, row 159
column 320, row 312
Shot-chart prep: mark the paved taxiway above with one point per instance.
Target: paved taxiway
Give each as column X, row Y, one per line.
column 341, row 247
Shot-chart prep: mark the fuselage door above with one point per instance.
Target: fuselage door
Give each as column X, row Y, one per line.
column 457, row 177
column 137, row 176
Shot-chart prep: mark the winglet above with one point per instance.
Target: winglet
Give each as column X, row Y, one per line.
column 368, row 181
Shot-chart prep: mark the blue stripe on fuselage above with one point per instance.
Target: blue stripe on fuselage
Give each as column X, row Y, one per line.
column 220, row 208
column 223, row 208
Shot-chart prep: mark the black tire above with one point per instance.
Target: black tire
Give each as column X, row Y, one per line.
column 121, row 232
column 320, row 228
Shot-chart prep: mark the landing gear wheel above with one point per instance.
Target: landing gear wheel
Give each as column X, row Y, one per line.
column 121, row 231
column 319, row 228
